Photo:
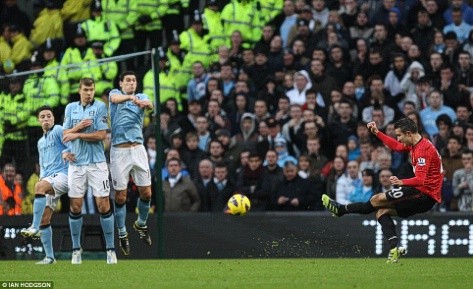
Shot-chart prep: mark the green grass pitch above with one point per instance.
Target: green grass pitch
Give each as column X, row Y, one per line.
column 415, row 273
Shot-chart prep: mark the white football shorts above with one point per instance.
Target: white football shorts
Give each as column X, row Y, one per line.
column 94, row 176
column 129, row 161
column 59, row 183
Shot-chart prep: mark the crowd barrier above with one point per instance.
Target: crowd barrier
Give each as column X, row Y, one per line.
column 258, row 235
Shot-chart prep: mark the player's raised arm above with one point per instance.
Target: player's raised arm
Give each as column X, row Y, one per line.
column 116, row 96
column 389, row 141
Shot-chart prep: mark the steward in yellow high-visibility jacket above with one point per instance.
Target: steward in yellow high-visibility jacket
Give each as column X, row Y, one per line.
column 195, row 43
column 180, row 73
column 21, row 49
column 269, row 9
column 167, row 86
column 15, row 111
column 74, row 62
column 243, row 16
column 48, row 24
column 97, row 28
column 52, row 69
column 39, row 90
column 213, row 23
column 104, row 72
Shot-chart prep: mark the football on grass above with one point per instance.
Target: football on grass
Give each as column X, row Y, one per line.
column 238, row 204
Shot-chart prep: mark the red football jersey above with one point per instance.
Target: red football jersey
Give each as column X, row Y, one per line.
column 427, row 165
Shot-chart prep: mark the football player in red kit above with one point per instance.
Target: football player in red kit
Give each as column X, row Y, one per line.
column 410, row 196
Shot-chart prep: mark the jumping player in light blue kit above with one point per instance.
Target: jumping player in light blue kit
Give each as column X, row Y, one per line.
column 52, row 184
column 85, row 126
column 128, row 155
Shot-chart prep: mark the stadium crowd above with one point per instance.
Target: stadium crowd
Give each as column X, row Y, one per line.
column 269, row 98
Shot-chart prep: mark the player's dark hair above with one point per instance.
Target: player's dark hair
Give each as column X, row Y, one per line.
column 128, row 72
column 44, row 107
column 86, row 81
column 405, row 125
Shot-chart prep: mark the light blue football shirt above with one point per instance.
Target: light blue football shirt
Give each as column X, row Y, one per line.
column 87, row 152
column 50, row 148
column 127, row 120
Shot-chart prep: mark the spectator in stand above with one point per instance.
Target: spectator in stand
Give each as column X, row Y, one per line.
column 464, row 6
column 337, row 170
column 454, row 94
column 221, row 188
column 468, row 44
column 271, row 94
column 202, row 183
column 361, row 28
column 429, row 114
column 364, row 190
column 192, row 154
column 248, row 135
column 458, row 25
column 382, row 43
column 452, row 48
column 317, row 159
column 451, row 161
column 444, row 125
column 342, row 126
column 321, row 82
column 293, row 193
column 384, row 182
column 273, row 175
column 423, row 33
column 196, row 88
column 347, row 182
column 393, row 79
column 13, row 15
column 464, row 73
column 261, row 110
column 285, row 20
column 301, row 84
column 462, row 183
column 180, row 194
column 169, row 154
column 205, row 136
column 338, row 67
column 11, row 192
column 250, row 183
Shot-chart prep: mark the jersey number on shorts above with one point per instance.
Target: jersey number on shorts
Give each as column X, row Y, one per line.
column 106, row 184
column 396, row 193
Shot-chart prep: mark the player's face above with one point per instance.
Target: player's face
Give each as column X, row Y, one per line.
column 128, row 85
column 404, row 138
column 86, row 94
column 46, row 119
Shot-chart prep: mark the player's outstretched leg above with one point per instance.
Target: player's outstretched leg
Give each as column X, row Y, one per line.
column 331, row 205
column 140, row 224
column 38, row 209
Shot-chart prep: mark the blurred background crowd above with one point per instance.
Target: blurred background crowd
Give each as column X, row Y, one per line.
column 269, row 98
